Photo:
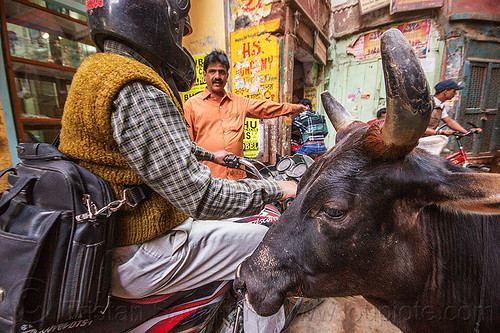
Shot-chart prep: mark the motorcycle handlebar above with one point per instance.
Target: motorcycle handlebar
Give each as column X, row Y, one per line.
column 287, row 168
column 235, row 162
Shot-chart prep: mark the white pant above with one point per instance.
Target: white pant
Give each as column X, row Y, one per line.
column 191, row 255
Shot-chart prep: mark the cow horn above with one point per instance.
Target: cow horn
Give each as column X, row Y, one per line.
column 337, row 114
column 408, row 97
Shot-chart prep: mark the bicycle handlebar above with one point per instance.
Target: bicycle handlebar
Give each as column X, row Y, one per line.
column 461, row 135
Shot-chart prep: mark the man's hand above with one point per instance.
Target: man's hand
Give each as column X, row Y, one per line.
column 219, row 157
column 447, row 132
column 299, row 108
column 476, row 130
column 289, row 189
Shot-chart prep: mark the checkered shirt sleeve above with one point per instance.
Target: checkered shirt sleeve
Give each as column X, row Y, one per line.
column 154, row 141
column 201, row 153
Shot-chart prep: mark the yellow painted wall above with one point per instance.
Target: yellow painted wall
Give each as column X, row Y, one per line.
column 5, row 161
column 207, row 19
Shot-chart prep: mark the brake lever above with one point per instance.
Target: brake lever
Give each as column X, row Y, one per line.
column 475, row 131
column 232, row 161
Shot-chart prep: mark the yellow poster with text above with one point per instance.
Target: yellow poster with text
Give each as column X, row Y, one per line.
column 251, row 137
column 310, row 93
column 199, row 84
column 255, row 73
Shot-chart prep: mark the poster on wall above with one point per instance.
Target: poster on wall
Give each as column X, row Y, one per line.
column 407, row 5
column 371, row 45
column 251, row 137
column 454, row 60
column 199, row 84
column 252, row 11
column 366, row 6
column 418, row 33
column 255, row 71
column 310, row 93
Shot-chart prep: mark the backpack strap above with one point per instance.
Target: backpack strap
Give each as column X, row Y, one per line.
column 131, row 196
column 138, row 193
column 57, row 140
column 20, row 185
column 4, row 171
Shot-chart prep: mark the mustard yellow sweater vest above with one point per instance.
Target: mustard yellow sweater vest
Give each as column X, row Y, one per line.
column 87, row 136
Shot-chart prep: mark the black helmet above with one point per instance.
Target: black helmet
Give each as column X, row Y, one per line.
column 155, row 26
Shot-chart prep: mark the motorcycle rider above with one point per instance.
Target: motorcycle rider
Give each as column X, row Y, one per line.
column 123, row 121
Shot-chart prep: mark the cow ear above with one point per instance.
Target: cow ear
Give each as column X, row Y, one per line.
column 473, row 192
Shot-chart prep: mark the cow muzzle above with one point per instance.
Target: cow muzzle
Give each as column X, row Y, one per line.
column 262, row 296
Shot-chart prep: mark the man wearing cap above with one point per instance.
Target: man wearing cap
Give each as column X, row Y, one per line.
column 445, row 90
column 434, row 140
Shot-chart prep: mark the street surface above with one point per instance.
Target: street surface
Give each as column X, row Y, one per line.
column 343, row 315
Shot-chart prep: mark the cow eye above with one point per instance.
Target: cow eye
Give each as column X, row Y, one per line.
column 333, row 213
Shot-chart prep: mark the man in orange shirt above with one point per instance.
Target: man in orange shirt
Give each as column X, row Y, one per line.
column 216, row 119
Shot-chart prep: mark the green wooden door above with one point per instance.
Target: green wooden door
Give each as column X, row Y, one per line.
column 481, row 96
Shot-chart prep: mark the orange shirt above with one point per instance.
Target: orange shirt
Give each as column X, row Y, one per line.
column 219, row 126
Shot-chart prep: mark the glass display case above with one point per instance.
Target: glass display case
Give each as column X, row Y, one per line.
column 43, row 43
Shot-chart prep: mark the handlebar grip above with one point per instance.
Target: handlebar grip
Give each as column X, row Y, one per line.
column 232, row 161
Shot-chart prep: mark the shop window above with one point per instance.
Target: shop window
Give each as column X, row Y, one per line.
column 58, row 8
column 45, row 44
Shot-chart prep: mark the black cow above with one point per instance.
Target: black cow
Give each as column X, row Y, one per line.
column 414, row 234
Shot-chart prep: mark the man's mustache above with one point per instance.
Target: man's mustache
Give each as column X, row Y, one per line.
column 217, row 81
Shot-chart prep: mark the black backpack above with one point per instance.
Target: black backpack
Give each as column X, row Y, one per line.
column 56, row 236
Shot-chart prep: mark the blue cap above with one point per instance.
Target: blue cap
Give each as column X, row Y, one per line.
column 446, row 85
